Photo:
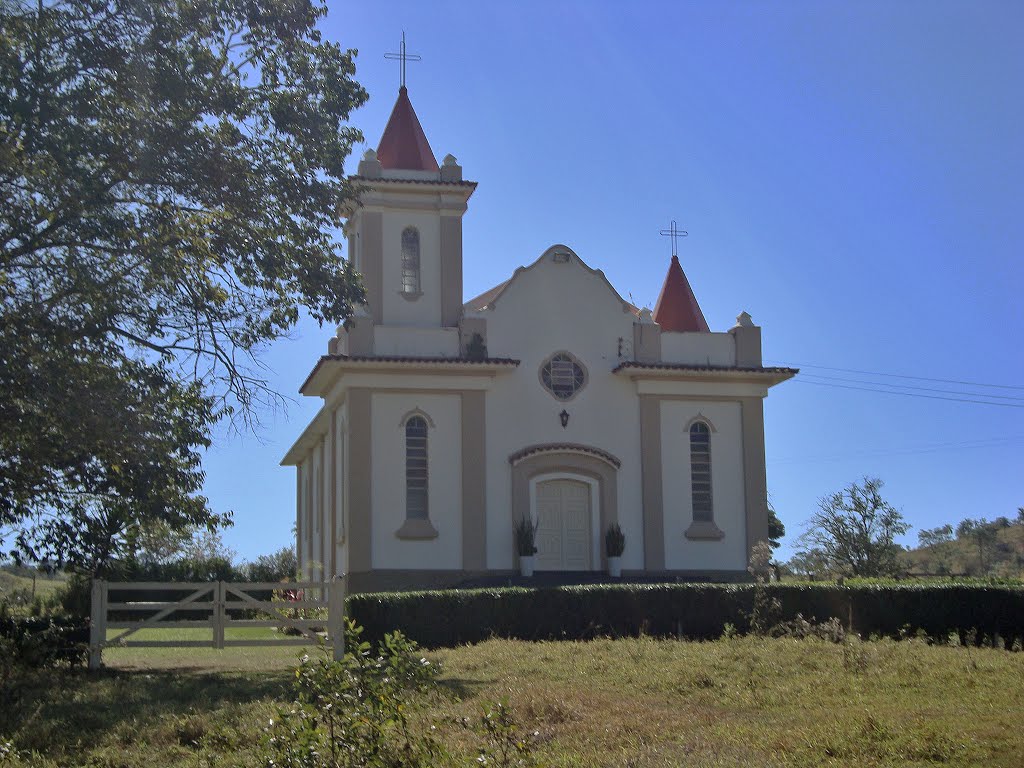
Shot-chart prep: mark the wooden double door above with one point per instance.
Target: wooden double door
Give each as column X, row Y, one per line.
column 563, row 525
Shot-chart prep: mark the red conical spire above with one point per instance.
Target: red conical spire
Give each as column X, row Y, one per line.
column 404, row 146
column 677, row 308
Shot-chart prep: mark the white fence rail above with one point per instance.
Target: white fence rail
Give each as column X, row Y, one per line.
column 216, row 602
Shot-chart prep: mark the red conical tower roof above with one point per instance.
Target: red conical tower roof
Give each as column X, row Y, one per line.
column 677, row 308
column 404, row 146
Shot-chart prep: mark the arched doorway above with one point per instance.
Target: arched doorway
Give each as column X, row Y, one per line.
column 571, row 492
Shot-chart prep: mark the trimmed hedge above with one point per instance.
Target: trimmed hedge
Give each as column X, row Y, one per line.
column 694, row 611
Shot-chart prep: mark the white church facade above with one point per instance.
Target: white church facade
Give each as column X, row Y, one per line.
column 548, row 398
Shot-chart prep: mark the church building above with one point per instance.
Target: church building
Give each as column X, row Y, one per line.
column 548, row 399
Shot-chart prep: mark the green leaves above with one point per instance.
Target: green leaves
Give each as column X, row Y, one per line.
column 172, row 178
column 854, row 531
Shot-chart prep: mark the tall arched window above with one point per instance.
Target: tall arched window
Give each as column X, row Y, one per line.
column 410, row 260
column 700, row 471
column 416, row 469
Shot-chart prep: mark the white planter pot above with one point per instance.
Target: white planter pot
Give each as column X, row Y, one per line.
column 526, row 565
column 615, row 567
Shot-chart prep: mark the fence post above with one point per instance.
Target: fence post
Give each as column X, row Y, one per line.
column 336, row 616
column 97, row 624
column 219, row 594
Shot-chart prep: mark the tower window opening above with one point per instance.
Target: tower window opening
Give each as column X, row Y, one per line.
column 410, row 260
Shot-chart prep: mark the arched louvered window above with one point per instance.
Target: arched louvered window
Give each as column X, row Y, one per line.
column 410, row 260
column 700, row 472
column 416, row 469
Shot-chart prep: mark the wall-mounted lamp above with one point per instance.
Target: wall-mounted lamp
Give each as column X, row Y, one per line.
column 564, row 416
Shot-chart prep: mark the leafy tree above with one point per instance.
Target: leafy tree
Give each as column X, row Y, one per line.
column 172, row 177
column 776, row 530
column 985, row 535
column 809, row 562
column 278, row 566
column 937, row 541
column 931, row 537
column 855, row 531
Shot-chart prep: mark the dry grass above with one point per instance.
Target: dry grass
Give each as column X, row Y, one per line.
column 630, row 702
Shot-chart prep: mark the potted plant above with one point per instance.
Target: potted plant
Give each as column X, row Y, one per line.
column 614, row 544
column 525, row 535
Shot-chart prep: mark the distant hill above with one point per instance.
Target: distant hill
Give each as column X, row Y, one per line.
column 973, row 548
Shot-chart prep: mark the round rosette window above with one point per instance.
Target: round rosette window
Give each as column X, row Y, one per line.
column 563, row 376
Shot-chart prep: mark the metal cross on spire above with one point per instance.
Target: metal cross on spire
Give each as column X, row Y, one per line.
column 675, row 234
column 403, row 57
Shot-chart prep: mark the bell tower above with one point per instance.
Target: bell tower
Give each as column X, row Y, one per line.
column 406, row 235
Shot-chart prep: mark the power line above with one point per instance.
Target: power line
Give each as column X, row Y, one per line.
column 905, row 376
column 910, row 394
column 911, row 386
column 993, row 442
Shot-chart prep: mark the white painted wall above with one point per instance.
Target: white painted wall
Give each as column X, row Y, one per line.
column 444, row 461
column 414, row 341
column 547, row 308
column 698, row 348
column 728, row 553
column 426, row 310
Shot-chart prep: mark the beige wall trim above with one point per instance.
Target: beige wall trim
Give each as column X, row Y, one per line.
column 360, row 491
column 371, row 262
column 416, row 529
column 451, row 270
column 574, row 463
column 755, row 480
column 650, row 465
column 474, row 481
column 532, row 450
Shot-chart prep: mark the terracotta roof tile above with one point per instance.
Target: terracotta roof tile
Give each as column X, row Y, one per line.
column 632, row 364
column 415, row 181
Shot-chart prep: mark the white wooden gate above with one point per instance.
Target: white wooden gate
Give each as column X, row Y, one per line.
column 217, row 600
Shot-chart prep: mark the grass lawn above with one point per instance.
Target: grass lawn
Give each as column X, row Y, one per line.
column 628, row 702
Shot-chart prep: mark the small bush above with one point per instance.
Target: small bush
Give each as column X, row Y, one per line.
column 45, row 642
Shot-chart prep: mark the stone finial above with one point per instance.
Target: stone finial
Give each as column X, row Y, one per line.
column 450, row 169
column 369, row 166
column 744, row 320
column 748, row 341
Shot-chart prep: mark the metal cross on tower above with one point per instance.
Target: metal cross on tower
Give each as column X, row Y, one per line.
column 403, row 57
column 675, row 234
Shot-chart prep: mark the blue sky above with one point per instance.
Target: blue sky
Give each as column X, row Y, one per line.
column 851, row 174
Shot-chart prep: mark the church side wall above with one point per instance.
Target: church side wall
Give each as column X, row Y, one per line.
column 550, row 308
column 727, row 482
column 424, row 311
column 444, row 460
